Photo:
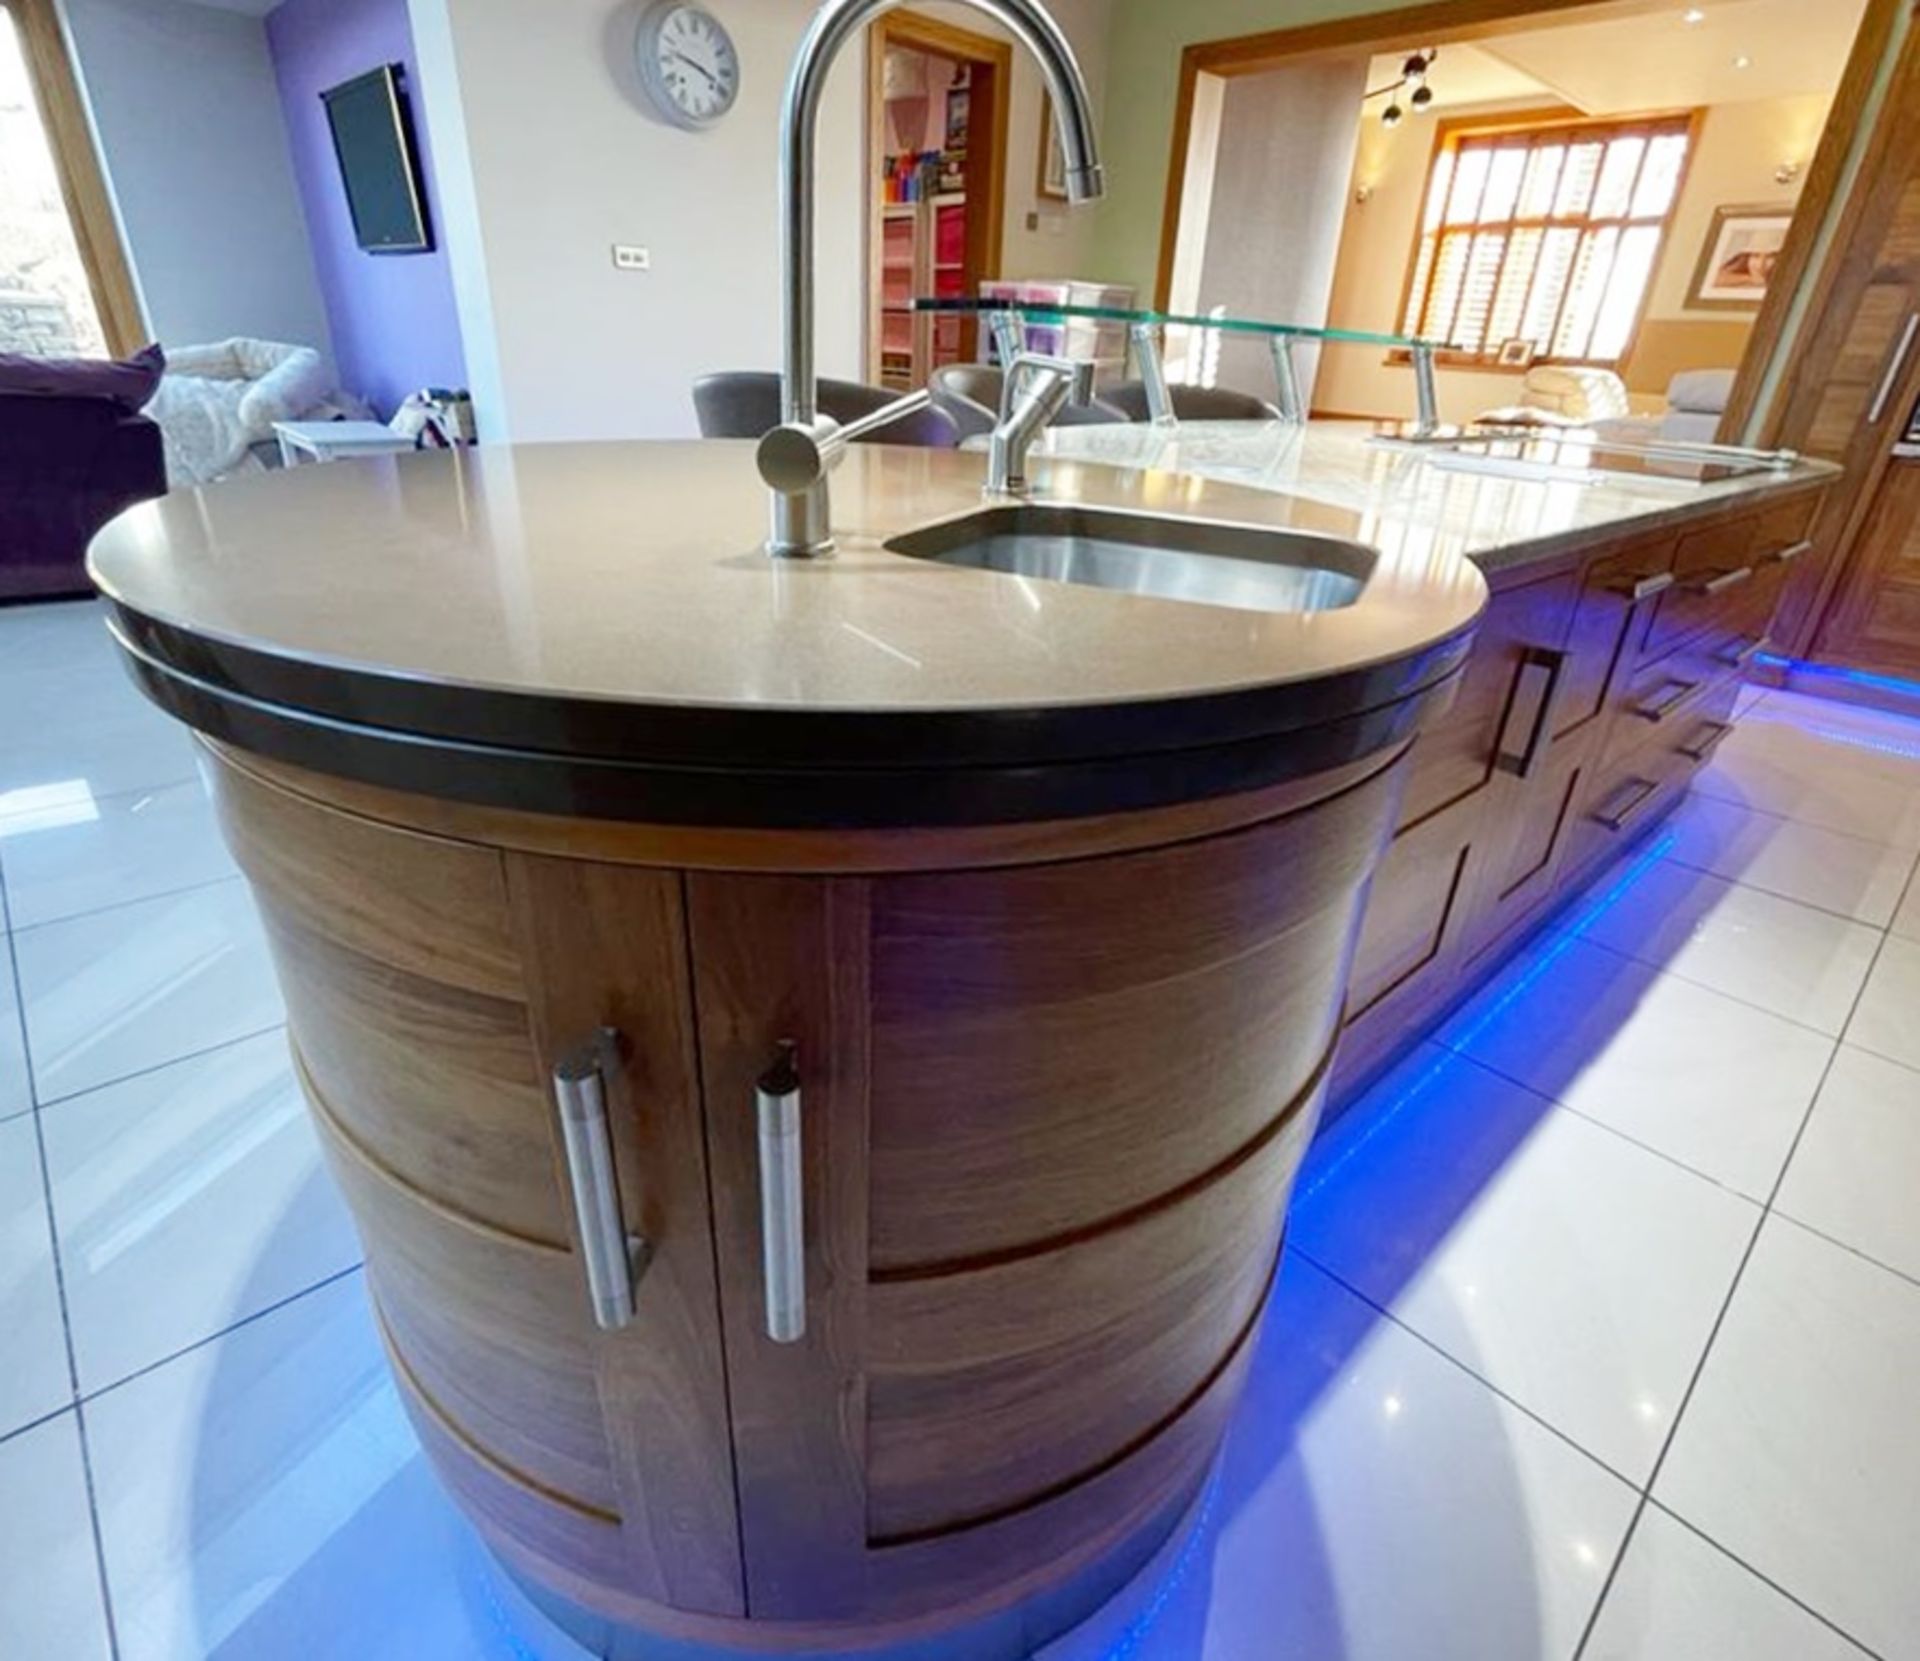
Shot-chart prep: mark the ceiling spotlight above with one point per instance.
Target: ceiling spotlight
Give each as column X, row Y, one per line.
column 1414, row 67
column 1692, row 15
column 1743, row 62
column 1422, row 99
column 1390, row 116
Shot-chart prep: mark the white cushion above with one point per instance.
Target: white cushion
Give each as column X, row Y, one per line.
column 1701, row 391
column 1578, row 393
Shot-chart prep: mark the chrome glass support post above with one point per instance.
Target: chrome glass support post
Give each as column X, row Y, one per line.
column 795, row 456
column 1426, row 395
column 1153, row 374
column 1009, row 336
column 1286, row 378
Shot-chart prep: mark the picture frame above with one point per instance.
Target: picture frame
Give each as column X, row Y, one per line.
column 1739, row 256
column 1516, row 353
column 1050, row 179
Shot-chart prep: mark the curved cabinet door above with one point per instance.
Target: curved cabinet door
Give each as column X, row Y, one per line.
column 1048, row 1118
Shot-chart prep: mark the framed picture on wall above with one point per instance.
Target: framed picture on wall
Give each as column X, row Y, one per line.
column 1742, row 248
column 1051, row 182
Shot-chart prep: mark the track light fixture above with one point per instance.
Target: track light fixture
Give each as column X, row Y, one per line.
column 1413, row 82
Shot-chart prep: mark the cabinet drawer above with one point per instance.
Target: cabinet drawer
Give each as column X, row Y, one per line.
column 1726, row 575
column 1617, row 599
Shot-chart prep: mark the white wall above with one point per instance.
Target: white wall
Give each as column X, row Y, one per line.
column 548, row 156
column 564, row 160
column 1283, row 155
column 188, row 118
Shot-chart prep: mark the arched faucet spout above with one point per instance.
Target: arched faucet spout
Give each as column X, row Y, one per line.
column 796, row 456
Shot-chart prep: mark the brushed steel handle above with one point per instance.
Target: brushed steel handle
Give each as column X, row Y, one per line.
column 1705, row 741
column 782, row 1198
column 1642, row 589
column 1624, row 804
column 1787, row 555
column 1724, row 581
column 608, row 1251
column 1895, row 365
column 1745, row 653
column 1673, row 695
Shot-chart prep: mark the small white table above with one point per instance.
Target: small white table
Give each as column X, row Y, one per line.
column 304, row 441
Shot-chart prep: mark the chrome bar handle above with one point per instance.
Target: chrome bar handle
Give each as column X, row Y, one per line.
column 782, row 1199
column 580, row 1092
column 1153, row 375
column 1426, row 394
column 1286, row 376
column 1895, row 365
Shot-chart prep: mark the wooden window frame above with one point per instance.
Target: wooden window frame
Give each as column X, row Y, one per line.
column 83, row 185
column 1449, row 134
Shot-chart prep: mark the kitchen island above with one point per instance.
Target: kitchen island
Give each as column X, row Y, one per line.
column 818, row 1051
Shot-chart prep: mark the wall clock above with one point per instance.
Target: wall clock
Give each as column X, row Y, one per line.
column 688, row 63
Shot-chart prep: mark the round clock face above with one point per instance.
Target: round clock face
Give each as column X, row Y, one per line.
column 688, row 64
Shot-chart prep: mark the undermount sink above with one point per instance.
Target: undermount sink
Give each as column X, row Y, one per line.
column 1193, row 560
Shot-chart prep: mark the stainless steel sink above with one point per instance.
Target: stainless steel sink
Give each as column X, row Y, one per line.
column 1238, row 566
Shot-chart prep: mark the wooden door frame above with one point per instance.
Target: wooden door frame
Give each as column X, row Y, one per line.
column 1411, row 27
column 930, row 34
column 83, row 184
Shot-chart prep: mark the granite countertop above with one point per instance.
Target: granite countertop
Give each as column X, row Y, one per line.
column 1400, row 499
column 595, row 627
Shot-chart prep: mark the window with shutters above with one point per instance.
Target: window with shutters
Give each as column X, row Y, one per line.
column 1547, row 234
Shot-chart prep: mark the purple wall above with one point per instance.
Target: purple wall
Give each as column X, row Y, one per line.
column 395, row 328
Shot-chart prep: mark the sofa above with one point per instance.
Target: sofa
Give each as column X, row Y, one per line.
column 73, row 453
column 216, row 403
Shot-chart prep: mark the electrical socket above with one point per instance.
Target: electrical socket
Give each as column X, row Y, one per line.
column 629, row 258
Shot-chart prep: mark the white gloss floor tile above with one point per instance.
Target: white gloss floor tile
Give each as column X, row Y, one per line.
column 1906, row 920
column 1887, row 1020
column 263, row 1497
column 16, row 1093
column 1782, row 956
column 115, row 992
column 185, row 1200
column 1797, row 1452
column 1714, row 1083
column 51, row 1608
column 1374, row 1503
column 1575, row 1272
column 1843, row 788
column 133, row 847
column 1853, row 1176
column 1849, row 875
column 1679, row 1598
column 34, row 1380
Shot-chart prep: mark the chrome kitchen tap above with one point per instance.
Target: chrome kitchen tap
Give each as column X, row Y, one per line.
column 1035, row 388
column 796, row 457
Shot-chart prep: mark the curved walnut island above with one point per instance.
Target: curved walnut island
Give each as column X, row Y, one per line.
column 1051, row 888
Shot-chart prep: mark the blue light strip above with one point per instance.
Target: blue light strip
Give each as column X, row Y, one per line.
column 1456, row 1051
column 1837, row 672
column 1129, row 1641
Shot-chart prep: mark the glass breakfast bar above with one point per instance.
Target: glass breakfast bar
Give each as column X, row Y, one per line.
column 1008, row 320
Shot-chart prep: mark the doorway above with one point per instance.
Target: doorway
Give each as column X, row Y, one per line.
column 938, row 99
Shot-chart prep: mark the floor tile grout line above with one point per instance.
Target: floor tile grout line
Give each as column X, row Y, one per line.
column 1601, row 1124
column 124, row 905
column 1719, row 1321
column 1673, row 858
column 60, row 1293
column 121, row 905
column 1530, row 1413
column 167, row 1360
column 1766, row 1579
column 160, row 1066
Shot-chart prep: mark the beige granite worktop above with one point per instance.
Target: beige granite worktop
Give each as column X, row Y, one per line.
column 635, row 572
column 1399, row 498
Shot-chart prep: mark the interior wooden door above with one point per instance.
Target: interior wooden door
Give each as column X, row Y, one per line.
column 1855, row 377
column 1875, row 620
